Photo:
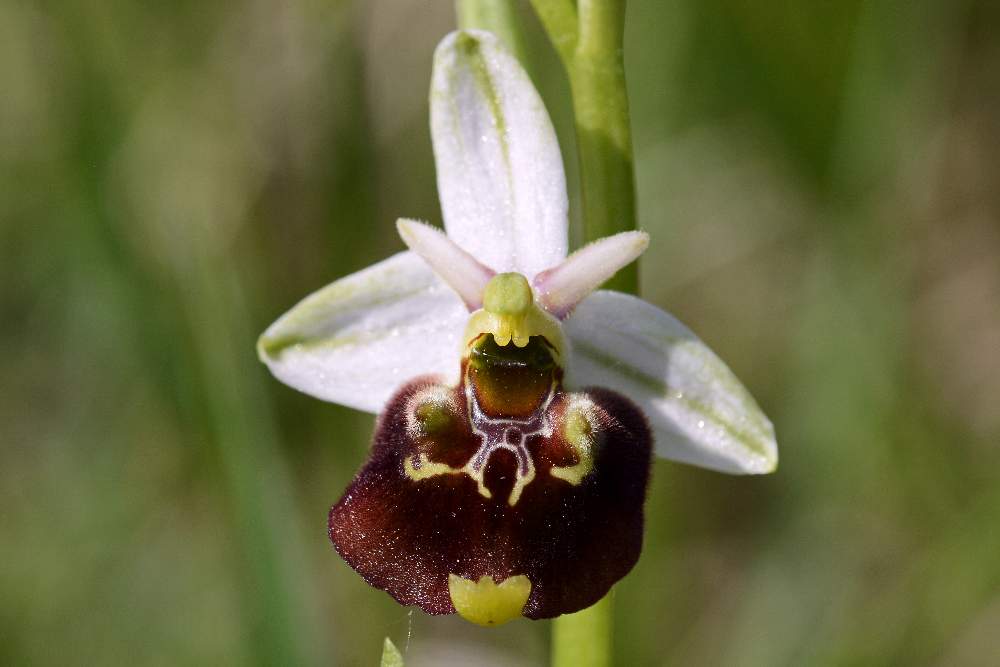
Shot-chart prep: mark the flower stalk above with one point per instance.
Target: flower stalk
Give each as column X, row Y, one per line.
column 584, row 639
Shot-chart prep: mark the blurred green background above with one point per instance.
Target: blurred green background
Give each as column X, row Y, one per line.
column 821, row 181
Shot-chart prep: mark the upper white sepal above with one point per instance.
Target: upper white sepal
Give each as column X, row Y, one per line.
column 499, row 171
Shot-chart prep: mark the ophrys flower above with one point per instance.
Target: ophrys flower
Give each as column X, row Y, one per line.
column 517, row 404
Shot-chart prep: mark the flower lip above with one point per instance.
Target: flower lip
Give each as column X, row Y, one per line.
column 571, row 530
column 511, row 381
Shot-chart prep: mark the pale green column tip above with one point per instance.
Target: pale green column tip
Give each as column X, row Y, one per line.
column 508, row 294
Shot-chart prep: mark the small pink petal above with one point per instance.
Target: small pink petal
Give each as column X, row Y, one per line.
column 457, row 268
column 563, row 286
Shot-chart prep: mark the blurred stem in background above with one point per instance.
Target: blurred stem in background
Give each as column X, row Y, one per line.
column 277, row 625
column 588, row 37
column 253, row 469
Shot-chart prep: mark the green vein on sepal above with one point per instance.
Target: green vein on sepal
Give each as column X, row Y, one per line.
column 303, row 317
column 469, row 47
column 756, row 445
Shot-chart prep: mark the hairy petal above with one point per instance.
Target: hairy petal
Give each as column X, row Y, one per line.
column 355, row 341
column 408, row 531
column 457, row 268
column 699, row 411
column 500, row 174
column 560, row 288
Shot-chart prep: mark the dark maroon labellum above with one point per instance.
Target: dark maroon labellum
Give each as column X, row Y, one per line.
column 505, row 475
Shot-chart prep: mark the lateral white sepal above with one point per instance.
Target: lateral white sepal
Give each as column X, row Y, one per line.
column 355, row 341
column 699, row 411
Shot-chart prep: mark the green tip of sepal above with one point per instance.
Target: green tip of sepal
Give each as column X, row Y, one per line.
column 466, row 42
column 761, row 456
column 391, row 657
column 269, row 347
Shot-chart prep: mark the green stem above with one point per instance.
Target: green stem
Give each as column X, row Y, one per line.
column 497, row 16
column 560, row 22
column 271, row 546
column 584, row 639
column 589, row 38
column 603, row 133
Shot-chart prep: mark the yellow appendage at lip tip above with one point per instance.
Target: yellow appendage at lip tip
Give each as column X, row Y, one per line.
column 487, row 603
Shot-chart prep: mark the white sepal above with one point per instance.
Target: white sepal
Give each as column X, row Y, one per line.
column 499, row 170
column 457, row 268
column 355, row 341
column 562, row 287
column 699, row 411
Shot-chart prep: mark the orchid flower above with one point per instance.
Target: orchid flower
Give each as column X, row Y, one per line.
column 518, row 403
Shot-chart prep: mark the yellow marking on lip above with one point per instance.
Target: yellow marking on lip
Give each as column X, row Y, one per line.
column 573, row 474
column 428, row 468
column 579, row 429
column 521, row 482
column 487, row 603
column 425, row 469
column 422, row 467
